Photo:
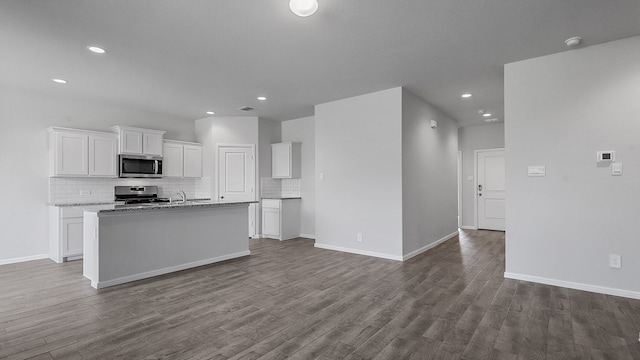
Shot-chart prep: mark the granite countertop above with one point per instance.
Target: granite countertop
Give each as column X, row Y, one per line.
column 90, row 203
column 281, row 197
column 84, row 204
column 114, row 208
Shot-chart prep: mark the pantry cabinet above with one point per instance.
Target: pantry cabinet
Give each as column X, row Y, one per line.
column 139, row 141
column 182, row 159
column 281, row 218
column 80, row 153
column 285, row 160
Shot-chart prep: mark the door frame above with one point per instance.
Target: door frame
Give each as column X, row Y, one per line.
column 459, row 157
column 217, row 167
column 475, row 181
column 253, row 210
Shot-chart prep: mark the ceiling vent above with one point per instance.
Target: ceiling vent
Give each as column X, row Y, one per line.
column 246, row 108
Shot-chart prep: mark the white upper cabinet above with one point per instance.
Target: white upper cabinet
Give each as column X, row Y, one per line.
column 193, row 161
column 152, row 143
column 139, row 141
column 79, row 153
column 285, row 160
column 103, row 155
column 182, row 159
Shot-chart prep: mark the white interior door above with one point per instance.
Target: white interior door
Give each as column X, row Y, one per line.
column 490, row 189
column 236, row 172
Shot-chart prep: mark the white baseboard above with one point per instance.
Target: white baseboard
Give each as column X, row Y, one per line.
column 148, row 274
column 574, row 285
column 467, row 227
column 429, row 246
column 359, row 252
column 23, row 259
column 308, row 236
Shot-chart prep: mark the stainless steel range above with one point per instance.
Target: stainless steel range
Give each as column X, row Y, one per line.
column 135, row 195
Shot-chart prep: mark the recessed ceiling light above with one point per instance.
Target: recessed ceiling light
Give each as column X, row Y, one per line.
column 96, row 49
column 59, row 81
column 210, row 113
column 486, row 115
column 573, row 42
column 262, row 98
column 467, row 95
column 303, row 8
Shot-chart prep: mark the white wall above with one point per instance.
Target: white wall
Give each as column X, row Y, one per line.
column 560, row 110
column 429, row 174
column 359, row 151
column 24, row 180
column 303, row 130
column 471, row 138
column 270, row 132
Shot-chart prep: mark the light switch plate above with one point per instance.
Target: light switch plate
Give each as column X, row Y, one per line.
column 616, row 169
column 537, row 170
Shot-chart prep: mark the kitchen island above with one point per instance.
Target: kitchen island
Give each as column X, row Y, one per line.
column 124, row 243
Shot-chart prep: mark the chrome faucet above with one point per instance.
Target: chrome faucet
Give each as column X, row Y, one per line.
column 183, row 196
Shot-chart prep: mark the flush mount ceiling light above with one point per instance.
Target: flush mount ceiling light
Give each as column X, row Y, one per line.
column 59, row 81
column 210, row 113
column 573, row 42
column 303, row 8
column 96, row 49
column 466, row 95
column 262, row 98
column 486, row 115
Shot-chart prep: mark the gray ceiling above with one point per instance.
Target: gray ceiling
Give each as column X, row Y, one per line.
column 184, row 57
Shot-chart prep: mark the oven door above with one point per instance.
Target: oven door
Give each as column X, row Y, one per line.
column 140, row 166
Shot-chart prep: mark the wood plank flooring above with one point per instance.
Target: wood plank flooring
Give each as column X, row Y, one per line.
column 289, row 300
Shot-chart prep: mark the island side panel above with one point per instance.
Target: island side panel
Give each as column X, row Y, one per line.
column 90, row 246
column 139, row 244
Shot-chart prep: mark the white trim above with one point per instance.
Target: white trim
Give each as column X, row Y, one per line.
column 23, row 259
column 148, row 274
column 574, row 285
column 359, row 252
column 308, row 236
column 467, row 227
column 429, row 246
column 459, row 169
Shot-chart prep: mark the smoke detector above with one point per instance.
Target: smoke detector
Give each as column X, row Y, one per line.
column 573, row 42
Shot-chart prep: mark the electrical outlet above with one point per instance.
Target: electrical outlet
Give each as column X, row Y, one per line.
column 359, row 237
column 615, row 261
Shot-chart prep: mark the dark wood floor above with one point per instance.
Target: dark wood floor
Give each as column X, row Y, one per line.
column 290, row 300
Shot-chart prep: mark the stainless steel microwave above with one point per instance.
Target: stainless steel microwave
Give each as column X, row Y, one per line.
column 140, row 166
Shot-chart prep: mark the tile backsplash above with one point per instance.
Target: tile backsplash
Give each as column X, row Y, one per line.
column 270, row 187
column 86, row 190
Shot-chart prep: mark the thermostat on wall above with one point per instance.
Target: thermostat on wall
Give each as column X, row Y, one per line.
column 607, row 156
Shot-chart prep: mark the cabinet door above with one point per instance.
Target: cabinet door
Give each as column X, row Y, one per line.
column 71, row 154
column 281, row 160
column 103, row 154
column 172, row 160
column 152, row 144
column 131, row 142
column 271, row 222
column 192, row 161
column 72, row 237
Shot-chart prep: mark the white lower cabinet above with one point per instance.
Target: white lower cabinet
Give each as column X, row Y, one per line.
column 281, row 218
column 65, row 233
